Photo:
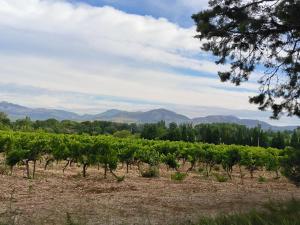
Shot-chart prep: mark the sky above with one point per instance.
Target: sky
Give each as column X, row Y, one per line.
column 88, row 56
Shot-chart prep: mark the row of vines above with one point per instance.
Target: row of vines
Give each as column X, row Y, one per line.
column 107, row 152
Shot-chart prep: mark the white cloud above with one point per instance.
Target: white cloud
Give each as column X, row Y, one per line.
column 194, row 4
column 122, row 81
column 101, row 51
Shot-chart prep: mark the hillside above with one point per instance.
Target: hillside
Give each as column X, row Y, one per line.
column 15, row 111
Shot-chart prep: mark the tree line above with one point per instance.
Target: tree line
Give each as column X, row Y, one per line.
column 218, row 133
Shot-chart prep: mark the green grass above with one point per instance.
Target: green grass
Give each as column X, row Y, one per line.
column 220, row 178
column 271, row 214
column 178, row 176
column 151, row 172
column 262, row 179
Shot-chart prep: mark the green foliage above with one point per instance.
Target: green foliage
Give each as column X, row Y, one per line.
column 126, row 154
column 6, row 142
column 120, row 179
column 295, row 140
column 231, row 157
column 151, row 172
column 106, row 154
column 278, row 141
column 174, row 133
column 24, row 124
column 149, row 155
column 253, row 160
column 220, row 177
column 5, row 123
column 262, row 179
column 249, row 34
column 154, row 131
column 291, row 165
column 14, row 157
column 178, row 176
column 272, row 213
column 217, row 133
column 170, row 160
column 122, row 134
column 108, row 151
column 272, row 160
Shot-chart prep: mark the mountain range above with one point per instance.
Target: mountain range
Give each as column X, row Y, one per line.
column 15, row 111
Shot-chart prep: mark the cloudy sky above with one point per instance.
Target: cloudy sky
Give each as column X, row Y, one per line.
column 87, row 56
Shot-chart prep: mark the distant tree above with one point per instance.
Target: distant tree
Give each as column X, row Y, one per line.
column 149, row 131
column 24, row 124
column 90, row 127
column 69, row 126
column 134, row 128
column 122, row 134
column 154, row 131
column 190, row 133
column 50, row 125
column 278, row 141
column 295, row 140
column 173, row 132
column 258, row 136
column 257, row 34
column 4, row 120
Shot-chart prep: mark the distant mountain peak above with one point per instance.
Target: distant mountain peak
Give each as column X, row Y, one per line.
column 8, row 104
column 222, row 116
column 15, row 111
column 112, row 111
column 161, row 110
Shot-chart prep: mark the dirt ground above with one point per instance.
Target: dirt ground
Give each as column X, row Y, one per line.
column 53, row 196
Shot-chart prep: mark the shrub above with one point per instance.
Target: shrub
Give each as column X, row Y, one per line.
column 122, row 134
column 291, row 165
column 170, row 160
column 152, row 171
column 120, row 179
column 262, row 179
column 178, row 176
column 220, row 178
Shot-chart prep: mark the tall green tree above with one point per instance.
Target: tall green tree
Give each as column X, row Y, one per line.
column 295, row 140
column 256, row 34
column 278, row 141
column 173, row 132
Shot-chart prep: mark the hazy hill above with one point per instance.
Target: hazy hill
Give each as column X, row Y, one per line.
column 15, row 111
column 246, row 122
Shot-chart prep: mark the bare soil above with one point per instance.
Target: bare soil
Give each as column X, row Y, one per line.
column 53, row 196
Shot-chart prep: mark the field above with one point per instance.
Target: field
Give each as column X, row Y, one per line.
column 57, row 198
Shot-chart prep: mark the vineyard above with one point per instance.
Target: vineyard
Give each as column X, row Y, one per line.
column 108, row 180
column 107, row 152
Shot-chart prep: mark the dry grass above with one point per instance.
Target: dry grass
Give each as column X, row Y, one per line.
column 137, row 200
